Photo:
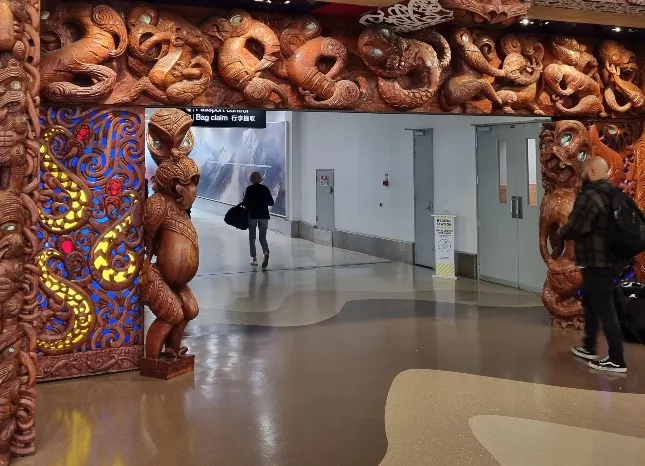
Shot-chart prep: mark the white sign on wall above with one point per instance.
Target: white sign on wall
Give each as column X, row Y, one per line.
column 444, row 246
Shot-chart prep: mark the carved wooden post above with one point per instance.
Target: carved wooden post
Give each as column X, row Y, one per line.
column 19, row 149
column 170, row 236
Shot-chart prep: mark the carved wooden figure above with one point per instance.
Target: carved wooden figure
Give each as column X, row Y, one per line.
column 171, row 56
column 476, row 68
column 302, row 48
column 391, row 57
column 495, row 13
column 573, row 79
column 171, row 237
column 65, row 61
column 619, row 74
column 240, row 69
column 563, row 147
column 19, row 131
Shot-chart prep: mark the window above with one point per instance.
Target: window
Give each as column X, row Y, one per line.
column 531, row 162
column 502, row 172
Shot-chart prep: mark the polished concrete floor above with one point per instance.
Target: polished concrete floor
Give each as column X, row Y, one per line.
column 336, row 358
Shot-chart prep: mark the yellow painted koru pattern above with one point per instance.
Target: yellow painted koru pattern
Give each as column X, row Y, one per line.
column 76, row 300
column 101, row 251
column 78, row 196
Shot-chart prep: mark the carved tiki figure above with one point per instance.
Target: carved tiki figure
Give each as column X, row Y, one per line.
column 619, row 74
column 303, row 48
column 563, row 147
column 170, row 234
column 172, row 57
column 572, row 80
column 392, row 57
column 67, row 62
column 19, row 131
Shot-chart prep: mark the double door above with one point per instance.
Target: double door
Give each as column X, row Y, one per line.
column 509, row 193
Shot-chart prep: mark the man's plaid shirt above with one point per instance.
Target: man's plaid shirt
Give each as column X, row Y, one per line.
column 589, row 224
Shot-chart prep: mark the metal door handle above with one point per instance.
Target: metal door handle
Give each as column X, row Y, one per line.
column 331, row 190
column 520, row 208
column 430, row 206
column 514, row 207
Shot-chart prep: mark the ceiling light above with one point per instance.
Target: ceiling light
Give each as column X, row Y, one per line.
column 525, row 21
column 616, row 29
column 547, row 23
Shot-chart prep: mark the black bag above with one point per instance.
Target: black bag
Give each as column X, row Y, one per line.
column 626, row 227
column 237, row 217
column 630, row 306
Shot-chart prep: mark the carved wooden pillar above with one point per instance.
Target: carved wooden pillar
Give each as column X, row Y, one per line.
column 19, row 150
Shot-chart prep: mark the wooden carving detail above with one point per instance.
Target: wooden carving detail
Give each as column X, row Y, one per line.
column 239, row 68
column 171, row 56
column 620, row 76
column 498, row 13
column 522, row 69
column 90, row 237
column 572, row 79
column 302, row 48
column 19, row 131
column 390, row 57
column 563, row 147
column 170, row 234
column 66, row 61
column 477, row 67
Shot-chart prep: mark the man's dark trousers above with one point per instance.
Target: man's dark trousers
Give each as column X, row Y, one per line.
column 598, row 301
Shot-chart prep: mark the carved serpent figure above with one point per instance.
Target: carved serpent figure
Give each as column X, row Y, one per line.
column 619, row 74
column 64, row 60
column 172, row 57
column 476, row 52
column 574, row 76
column 563, row 147
column 303, row 48
column 170, row 234
column 239, row 68
column 391, row 57
column 522, row 67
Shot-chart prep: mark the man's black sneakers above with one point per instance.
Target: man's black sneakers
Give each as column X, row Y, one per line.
column 583, row 353
column 607, row 365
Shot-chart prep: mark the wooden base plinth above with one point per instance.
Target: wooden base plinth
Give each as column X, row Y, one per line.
column 166, row 368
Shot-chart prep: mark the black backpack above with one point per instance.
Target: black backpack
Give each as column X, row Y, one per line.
column 626, row 227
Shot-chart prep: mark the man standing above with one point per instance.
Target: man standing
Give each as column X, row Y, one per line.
column 588, row 226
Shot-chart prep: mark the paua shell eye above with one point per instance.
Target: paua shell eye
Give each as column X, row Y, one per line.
column 376, row 53
column 566, row 139
column 236, row 20
column 9, row 227
column 310, row 27
column 582, row 156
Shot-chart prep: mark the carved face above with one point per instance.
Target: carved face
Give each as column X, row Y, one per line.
column 169, row 136
column 13, row 119
column 380, row 47
column 298, row 33
column 497, row 13
column 618, row 60
column 12, row 221
column 179, row 180
column 564, row 146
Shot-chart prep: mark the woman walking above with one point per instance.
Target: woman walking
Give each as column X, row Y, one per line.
column 257, row 200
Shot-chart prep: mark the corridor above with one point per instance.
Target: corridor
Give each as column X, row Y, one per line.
column 336, row 358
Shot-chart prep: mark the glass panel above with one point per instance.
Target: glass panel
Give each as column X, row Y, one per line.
column 531, row 162
column 503, row 175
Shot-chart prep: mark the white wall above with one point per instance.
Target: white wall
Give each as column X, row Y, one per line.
column 362, row 148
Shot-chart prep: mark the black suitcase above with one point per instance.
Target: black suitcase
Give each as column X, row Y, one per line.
column 237, row 217
column 630, row 307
